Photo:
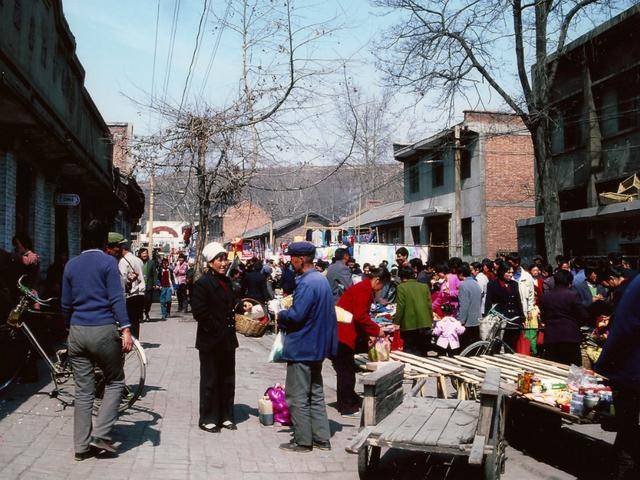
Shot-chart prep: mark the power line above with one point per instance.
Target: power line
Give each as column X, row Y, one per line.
column 172, row 41
column 215, row 47
column 155, row 53
column 194, row 56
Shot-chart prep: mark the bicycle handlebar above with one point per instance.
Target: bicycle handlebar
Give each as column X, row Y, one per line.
column 32, row 294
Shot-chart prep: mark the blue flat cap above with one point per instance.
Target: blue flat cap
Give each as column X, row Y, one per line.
column 306, row 249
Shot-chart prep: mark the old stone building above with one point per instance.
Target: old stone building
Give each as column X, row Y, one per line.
column 496, row 186
column 55, row 148
column 596, row 143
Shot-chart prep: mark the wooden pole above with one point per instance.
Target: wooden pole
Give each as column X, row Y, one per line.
column 152, row 187
column 458, row 189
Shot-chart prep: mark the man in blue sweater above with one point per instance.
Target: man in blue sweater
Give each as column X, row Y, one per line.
column 94, row 305
column 311, row 336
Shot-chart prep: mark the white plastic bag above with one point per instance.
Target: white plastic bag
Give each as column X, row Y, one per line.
column 343, row 316
column 275, row 355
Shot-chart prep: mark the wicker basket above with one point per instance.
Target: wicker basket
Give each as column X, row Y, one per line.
column 247, row 325
column 250, row 327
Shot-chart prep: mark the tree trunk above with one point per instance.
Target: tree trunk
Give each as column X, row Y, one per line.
column 549, row 190
column 204, row 204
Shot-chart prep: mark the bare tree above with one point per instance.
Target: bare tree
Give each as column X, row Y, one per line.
column 453, row 45
column 368, row 118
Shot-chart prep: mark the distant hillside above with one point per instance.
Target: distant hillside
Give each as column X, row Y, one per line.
column 335, row 197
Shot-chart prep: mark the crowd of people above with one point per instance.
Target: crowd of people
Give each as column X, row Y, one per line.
column 436, row 309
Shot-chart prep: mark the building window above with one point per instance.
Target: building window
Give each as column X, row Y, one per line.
column 415, row 235
column 414, row 177
column 465, row 163
column 32, row 33
column 628, row 105
column 17, row 14
column 572, row 124
column 437, row 179
column 465, row 224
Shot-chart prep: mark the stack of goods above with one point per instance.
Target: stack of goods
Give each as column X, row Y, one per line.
column 383, row 314
column 580, row 394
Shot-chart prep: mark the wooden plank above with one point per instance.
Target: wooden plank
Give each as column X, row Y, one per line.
column 417, row 388
column 506, row 364
column 536, row 365
column 485, row 416
column 432, row 429
column 405, row 431
column 373, row 378
column 392, row 421
column 477, row 450
column 462, row 425
column 491, row 384
column 358, row 441
column 385, row 405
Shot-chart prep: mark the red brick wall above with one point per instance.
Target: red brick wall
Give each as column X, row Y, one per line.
column 509, row 188
column 241, row 218
column 121, row 134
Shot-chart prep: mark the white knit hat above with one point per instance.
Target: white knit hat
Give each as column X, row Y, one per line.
column 212, row 250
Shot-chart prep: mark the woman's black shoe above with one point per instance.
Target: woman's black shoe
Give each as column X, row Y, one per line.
column 230, row 426
column 322, row 445
column 214, row 429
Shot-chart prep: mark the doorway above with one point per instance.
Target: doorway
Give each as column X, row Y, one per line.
column 438, row 236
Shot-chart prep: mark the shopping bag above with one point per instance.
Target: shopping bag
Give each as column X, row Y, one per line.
column 523, row 345
column 277, row 395
column 380, row 350
column 343, row 316
column 275, row 355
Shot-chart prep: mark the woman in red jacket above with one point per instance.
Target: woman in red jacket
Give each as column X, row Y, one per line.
column 356, row 300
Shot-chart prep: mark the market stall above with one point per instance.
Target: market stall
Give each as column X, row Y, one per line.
column 573, row 393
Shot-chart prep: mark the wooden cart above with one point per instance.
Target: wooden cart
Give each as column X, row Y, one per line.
column 473, row 429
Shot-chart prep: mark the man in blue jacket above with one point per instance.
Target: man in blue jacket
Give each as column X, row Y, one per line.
column 620, row 363
column 311, row 336
column 94, row 305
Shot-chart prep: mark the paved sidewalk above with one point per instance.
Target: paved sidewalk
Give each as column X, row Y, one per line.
column 160, row 438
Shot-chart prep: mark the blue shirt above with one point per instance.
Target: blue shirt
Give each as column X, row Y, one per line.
column 578, row 278
column 92, row 294
column 310, row 324
column 620, row 357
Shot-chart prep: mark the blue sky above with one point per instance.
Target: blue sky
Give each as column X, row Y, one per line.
column 116, row 47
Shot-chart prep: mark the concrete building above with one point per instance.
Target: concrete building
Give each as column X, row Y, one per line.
column 286, row 229
column 385, row 222
column 596, row 144
column 242, row 218
column 496, row 170
column 55, row 149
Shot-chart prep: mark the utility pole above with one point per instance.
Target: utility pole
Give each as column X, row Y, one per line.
column 152, row 187
column 458, row 188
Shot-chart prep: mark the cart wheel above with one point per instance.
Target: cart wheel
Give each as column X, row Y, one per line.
column 368, row 461
column 493, row 465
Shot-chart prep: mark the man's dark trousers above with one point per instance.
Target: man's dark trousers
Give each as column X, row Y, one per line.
column 305, row 397
column 627, row 405
column 217, row 385
column 148, row 301
column 135, row 311
column 89, row 346
column 345, row 367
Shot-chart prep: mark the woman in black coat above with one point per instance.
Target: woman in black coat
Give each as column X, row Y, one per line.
column 503, row 292
column 213, row 304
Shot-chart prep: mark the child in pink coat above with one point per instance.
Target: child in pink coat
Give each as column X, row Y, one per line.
column 448, row 331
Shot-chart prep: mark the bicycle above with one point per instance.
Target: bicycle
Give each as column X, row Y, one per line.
column 14, row 354
column 494, row 342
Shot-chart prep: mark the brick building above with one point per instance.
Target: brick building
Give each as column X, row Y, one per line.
column 496, row 170
column 242, row 218
column 122, row 134
column 595, row 145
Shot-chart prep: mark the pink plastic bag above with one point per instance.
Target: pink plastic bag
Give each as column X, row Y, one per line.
column 280, row 408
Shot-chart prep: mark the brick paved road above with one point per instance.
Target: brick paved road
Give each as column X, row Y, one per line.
column 160, row 438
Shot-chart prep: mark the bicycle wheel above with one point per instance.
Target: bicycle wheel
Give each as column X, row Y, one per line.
column 134, row 377
column 14, row 352
column 477, row 348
